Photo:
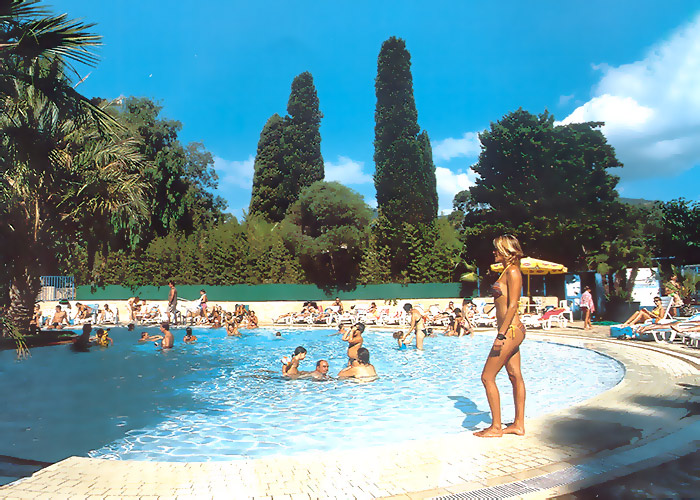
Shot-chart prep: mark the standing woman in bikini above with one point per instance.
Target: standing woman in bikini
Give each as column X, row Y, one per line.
column 511, row 333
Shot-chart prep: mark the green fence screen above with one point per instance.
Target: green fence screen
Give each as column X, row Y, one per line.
column 263, row 293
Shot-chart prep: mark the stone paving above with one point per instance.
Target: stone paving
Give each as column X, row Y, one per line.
column 651, row 417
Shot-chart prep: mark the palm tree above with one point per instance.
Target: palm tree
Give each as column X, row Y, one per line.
column 64, row 172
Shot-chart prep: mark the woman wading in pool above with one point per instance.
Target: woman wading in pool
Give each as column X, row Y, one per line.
column 511, row 333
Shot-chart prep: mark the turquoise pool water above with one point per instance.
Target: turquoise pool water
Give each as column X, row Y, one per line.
column 224, row 398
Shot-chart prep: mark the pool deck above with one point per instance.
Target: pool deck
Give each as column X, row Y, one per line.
column 651, row 417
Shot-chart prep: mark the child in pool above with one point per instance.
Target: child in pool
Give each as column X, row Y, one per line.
column 291, row 366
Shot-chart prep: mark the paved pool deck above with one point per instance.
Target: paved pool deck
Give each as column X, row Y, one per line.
column 651, row 417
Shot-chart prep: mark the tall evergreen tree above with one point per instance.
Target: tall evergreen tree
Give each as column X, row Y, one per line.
column 270, row 198
column 302, row 137
column 405, row 191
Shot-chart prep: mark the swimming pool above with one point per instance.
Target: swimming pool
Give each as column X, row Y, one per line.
column 223, row 398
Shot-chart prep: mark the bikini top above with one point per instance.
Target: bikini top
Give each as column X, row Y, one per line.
column 496, row 291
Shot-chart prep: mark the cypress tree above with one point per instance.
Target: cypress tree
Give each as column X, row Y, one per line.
column 430, row 182
column 269, row 198
column 405, row 189
column 302, row 137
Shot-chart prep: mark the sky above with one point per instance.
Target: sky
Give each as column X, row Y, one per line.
column 223, row 67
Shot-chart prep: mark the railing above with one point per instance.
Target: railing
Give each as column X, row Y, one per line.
column 57, row 288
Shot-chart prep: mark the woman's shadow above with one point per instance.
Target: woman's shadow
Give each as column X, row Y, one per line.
column 473, row 415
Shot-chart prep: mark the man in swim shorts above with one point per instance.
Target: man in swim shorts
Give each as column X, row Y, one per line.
column 59, row 319
column 172, row 302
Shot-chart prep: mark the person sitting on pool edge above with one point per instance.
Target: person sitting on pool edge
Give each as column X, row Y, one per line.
column 363, row 368
column 189, row 338
column 354, row 340
column 60, row 318
column 291, row 367
column 168, row 339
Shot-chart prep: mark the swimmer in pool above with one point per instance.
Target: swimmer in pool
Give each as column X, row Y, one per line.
column 363, row 368
column 145, row 337
column 399, row 336
column 321, row 372
column 168, row 339
column 189, row 338
column 102, row 338
column 354, row 340
column 291, row 367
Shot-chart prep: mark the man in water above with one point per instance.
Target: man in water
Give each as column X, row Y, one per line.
column 168, row 339
column 416, row 324
column 172, row 302
column 59, row 318
column 321, row 372
column 82, row 343
column 354, row 340
column 362, row 369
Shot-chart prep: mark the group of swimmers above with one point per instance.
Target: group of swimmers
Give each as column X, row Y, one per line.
column 102, row 338
column 358, row 366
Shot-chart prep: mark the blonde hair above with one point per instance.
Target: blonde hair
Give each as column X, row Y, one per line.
column 508, row 246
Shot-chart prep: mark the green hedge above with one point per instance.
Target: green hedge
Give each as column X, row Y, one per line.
column 262, row 293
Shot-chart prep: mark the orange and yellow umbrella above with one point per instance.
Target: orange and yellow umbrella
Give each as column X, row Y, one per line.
column 529, row 266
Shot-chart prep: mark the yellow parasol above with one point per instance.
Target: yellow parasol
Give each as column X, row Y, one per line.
column 529, row 266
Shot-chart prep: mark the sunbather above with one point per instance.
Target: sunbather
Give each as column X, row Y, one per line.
column 643, row 314
column 60, row 318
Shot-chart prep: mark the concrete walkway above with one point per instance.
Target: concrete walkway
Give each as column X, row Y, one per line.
column 651, row 417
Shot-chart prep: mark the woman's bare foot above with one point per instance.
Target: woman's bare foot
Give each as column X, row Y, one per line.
column 514, row 429
column 489, row 432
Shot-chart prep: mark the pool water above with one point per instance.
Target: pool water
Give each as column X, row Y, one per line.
column 224, row 398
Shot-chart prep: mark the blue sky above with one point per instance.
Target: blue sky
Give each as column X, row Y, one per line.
column 223, row 67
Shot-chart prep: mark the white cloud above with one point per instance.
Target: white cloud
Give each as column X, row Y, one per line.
column 651, row 107
column 468, row 145
column 449, row 184
column 237, row 173
column 346, row 171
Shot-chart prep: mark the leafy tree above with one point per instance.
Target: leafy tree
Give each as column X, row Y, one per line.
column 180, row 178
column 302, row 137
column 405, row 174
column 60, row 180
column 548, row 185
column 327, row 230
column 631, row 247
column 680, row 236
column 271, row 181
column 460, row 202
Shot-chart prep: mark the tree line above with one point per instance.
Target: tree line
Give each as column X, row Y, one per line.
column 104, row 189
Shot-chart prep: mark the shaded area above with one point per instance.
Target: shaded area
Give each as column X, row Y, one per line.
column 14, row 468
column 597, row 429
column 473, row 415
column 677, row 479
